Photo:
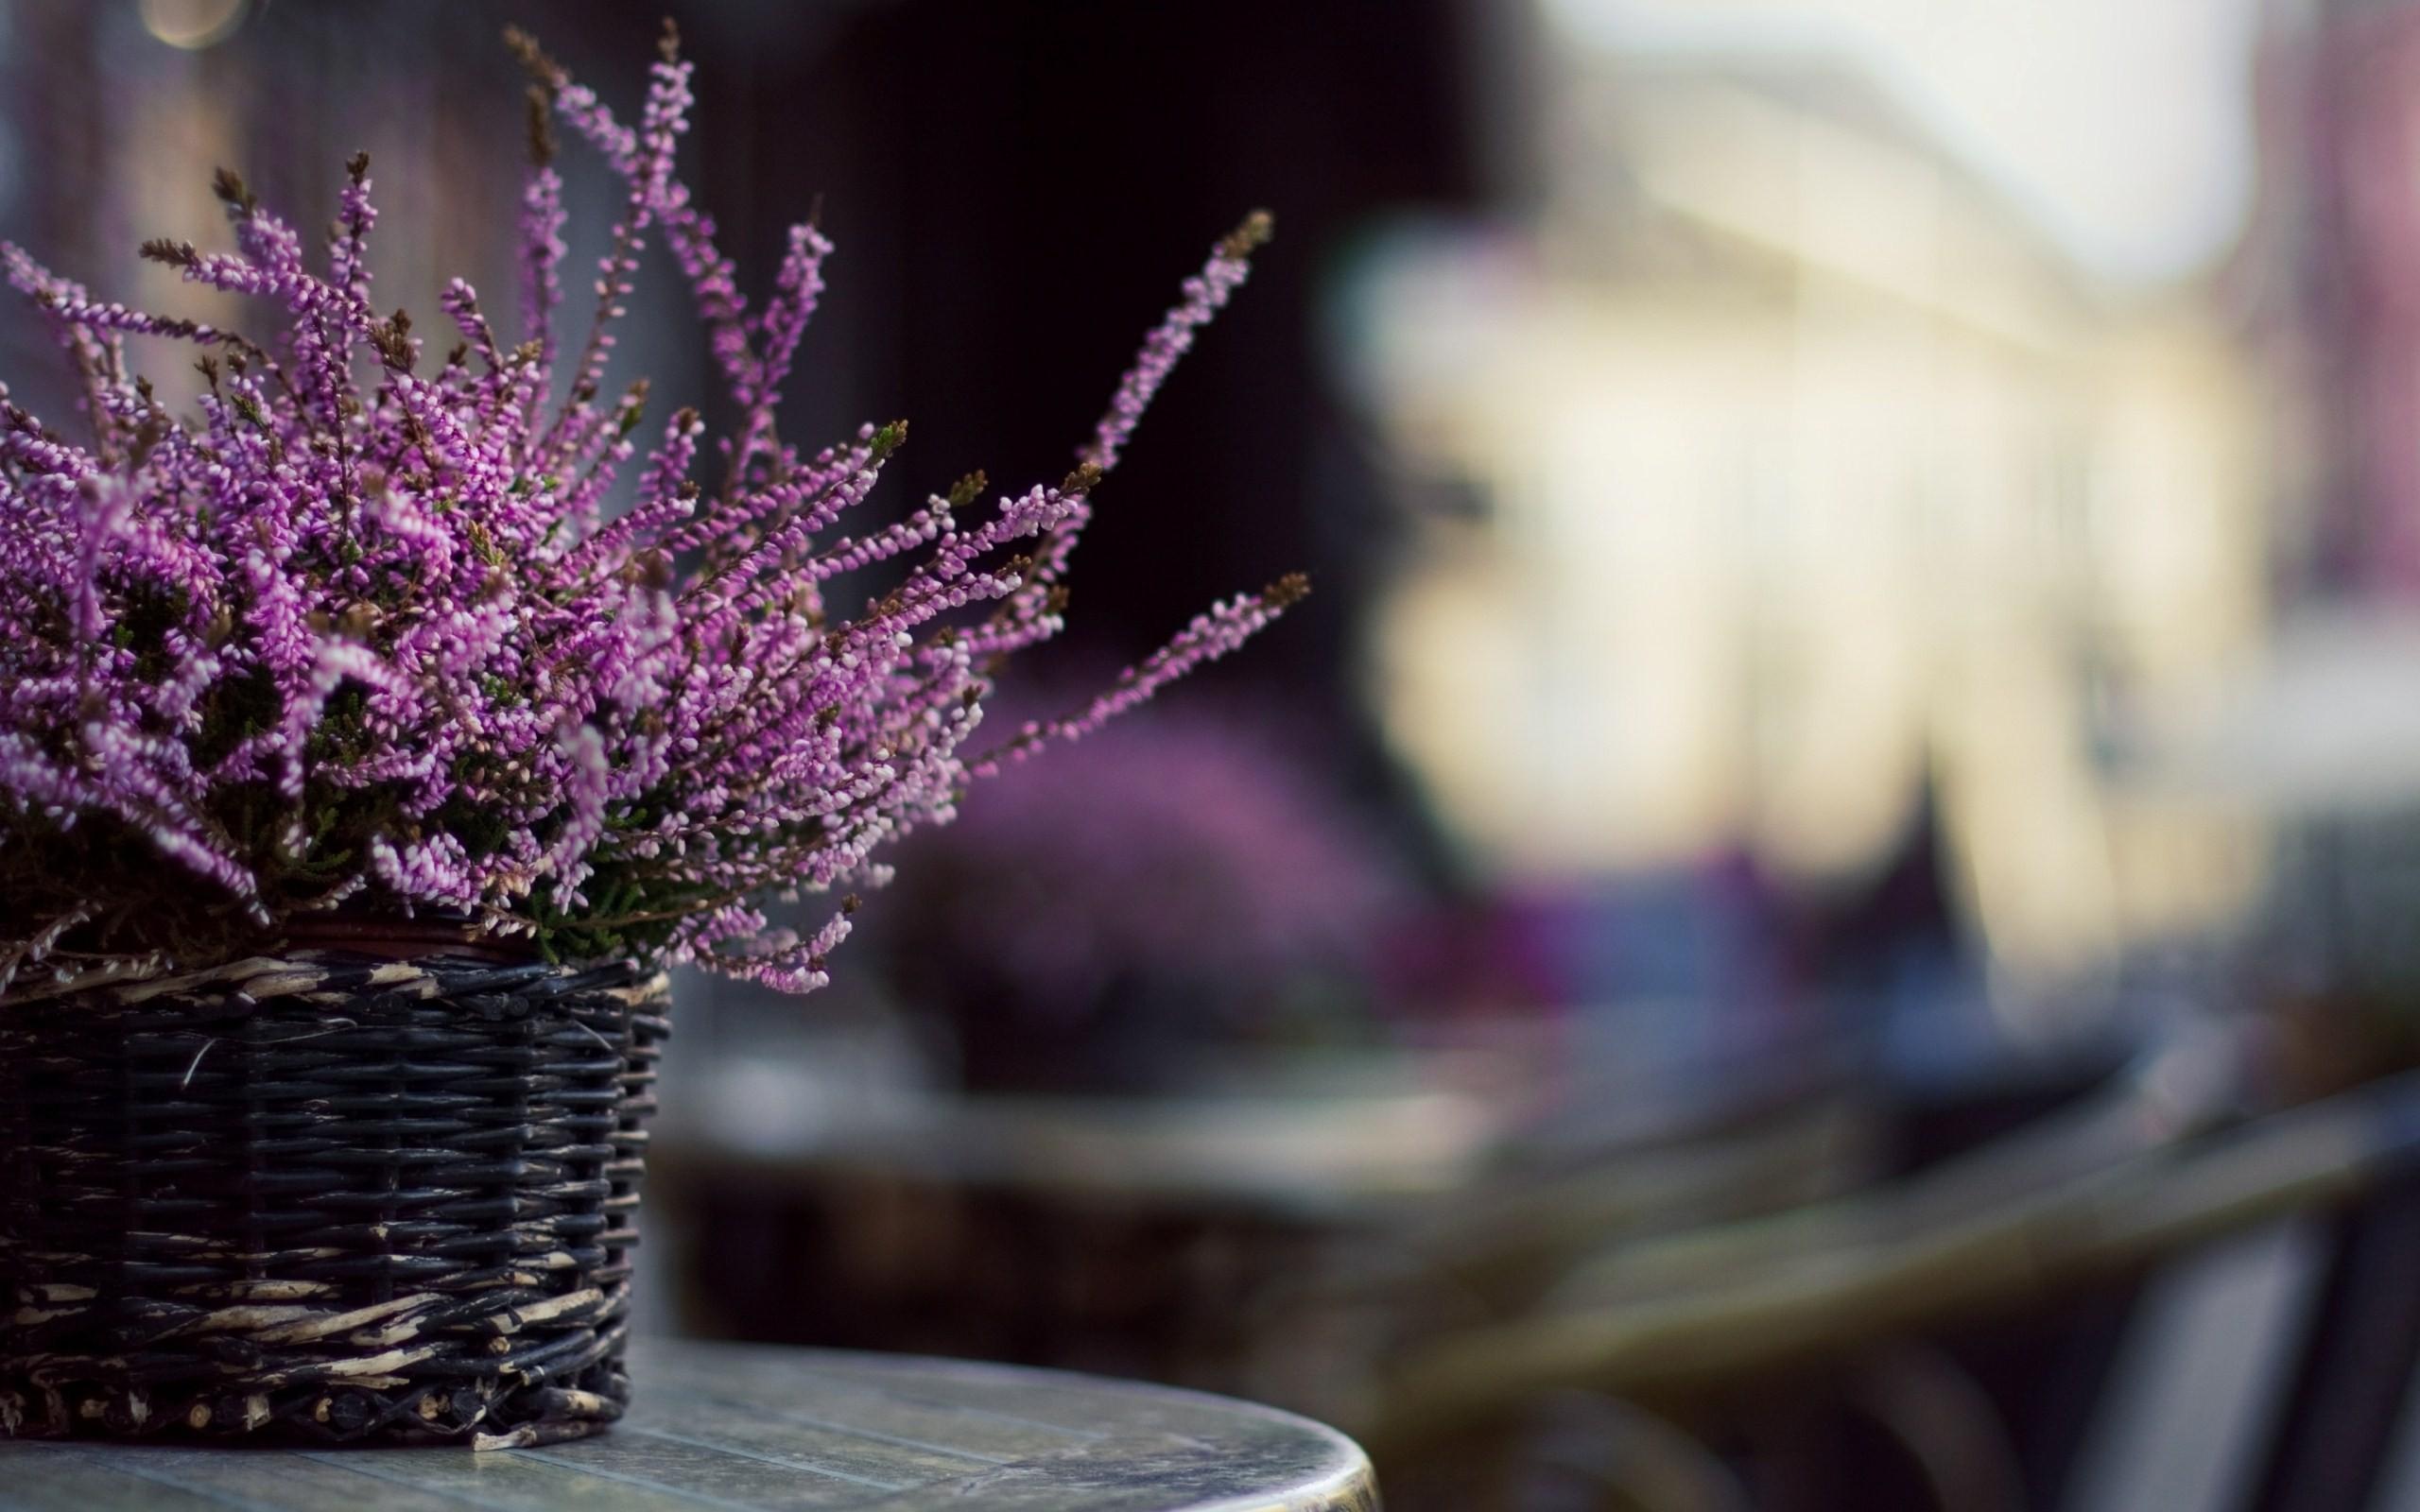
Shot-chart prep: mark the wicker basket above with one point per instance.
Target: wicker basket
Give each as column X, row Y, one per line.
column 332, row 1193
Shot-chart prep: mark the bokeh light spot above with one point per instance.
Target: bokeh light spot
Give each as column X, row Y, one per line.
column 193, row 25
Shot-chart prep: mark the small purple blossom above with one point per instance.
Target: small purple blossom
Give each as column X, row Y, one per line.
column 358, row 633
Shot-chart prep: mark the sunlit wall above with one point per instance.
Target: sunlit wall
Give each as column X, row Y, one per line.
column 1816, row 450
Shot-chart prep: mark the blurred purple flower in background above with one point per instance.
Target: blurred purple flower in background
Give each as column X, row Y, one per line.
column 1175, row 877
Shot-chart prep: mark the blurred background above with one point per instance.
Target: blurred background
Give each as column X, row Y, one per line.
column 1818, row 911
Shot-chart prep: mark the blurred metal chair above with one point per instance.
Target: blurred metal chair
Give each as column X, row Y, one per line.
column 2318, row 1328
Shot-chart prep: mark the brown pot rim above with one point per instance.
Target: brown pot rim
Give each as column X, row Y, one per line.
column 396, row 937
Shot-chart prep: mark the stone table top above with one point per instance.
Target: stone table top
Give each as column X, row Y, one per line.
column 746, row 1428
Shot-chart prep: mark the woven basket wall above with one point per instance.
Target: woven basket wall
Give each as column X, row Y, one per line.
column 332, row 1194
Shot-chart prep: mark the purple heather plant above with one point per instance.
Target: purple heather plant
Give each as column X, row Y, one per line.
column 375, row 644
column 1184, row 847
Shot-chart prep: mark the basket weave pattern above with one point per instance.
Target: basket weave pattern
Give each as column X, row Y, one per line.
column 326, row 1193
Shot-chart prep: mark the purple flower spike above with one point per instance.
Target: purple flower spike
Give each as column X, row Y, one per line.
column 359, row 635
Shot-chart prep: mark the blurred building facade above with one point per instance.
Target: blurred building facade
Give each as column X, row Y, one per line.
column 1791, row 474
column 2333, row 271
